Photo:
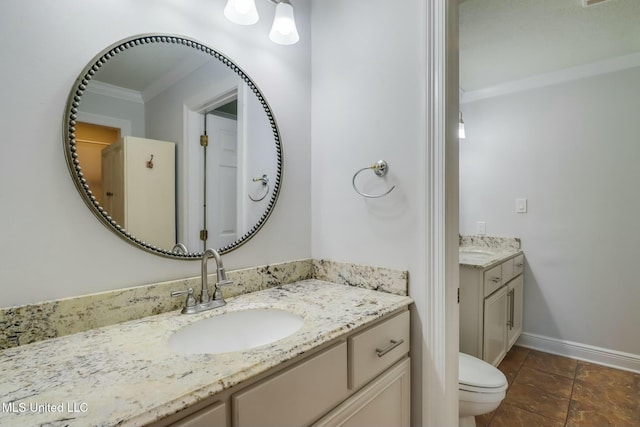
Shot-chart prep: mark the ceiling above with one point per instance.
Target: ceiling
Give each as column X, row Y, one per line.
column 134, row 70
column 151, row 68
column 508, row 40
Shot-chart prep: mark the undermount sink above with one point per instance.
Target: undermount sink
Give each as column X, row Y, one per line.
column 235, row 331
column 476, row 255
column 476, row 252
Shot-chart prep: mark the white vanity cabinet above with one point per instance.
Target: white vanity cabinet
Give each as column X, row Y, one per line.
column 491, row 301
column 359, row 380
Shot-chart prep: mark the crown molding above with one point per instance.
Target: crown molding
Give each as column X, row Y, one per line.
column 106, row 89
column 556, row 77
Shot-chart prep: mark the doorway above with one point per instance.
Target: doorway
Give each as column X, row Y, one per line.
column 220, row 177
column 91, row 139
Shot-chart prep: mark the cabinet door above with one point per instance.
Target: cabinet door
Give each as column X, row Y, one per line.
column 495, row 327
column 514, row 319
column 113, row 182
column 382, row 403
column 213, row 416
column 471, row 311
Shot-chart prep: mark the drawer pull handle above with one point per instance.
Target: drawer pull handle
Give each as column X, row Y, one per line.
column 391, row 346
column 512, row 300
column 519, row 264
column 496, row 279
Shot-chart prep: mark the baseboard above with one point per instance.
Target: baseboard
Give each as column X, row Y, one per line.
column 588, row 353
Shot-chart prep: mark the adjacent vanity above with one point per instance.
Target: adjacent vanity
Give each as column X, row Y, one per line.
column 347, row 364
column 491, row 296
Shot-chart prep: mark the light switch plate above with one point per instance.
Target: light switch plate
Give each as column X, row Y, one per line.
column 481, row 228
column 521, row 205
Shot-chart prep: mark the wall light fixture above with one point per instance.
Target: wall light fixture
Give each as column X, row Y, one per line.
column 283, row 31
column 461, row 133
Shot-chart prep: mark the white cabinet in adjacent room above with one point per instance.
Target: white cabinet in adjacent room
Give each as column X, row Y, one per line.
column 495, row 327
column 491, row 302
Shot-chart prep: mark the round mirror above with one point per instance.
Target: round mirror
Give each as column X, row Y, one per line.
column 172, row 146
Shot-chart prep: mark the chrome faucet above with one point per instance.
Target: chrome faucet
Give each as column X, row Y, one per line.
column 206, row 303
column 221, row 276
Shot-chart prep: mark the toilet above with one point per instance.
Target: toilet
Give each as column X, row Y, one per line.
column 481, row 388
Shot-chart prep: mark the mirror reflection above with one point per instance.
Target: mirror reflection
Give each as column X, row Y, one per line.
column 173, row 146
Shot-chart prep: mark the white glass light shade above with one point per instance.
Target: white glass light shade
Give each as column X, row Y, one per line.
column 284, row 29
column 241, row 12
column 461, row 134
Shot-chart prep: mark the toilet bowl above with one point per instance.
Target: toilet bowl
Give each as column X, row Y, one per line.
column 481, row 388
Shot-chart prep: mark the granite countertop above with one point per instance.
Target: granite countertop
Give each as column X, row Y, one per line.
column 126, row 374
column 483, row 257
column 484, row 252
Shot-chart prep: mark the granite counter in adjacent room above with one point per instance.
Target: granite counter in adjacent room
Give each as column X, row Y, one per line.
column 484, row 252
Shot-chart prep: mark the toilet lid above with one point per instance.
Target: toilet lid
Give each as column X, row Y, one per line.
column 476, row 374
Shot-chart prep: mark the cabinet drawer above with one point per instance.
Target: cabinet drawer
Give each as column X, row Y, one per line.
column 492, row 280
column 296, row 397
column 377, row 348
column 213, row 416
column 518, row 265
column 507, row 270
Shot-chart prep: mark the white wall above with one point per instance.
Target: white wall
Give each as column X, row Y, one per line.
column 572, row 150
column 366, row 107
column 369, row 103
column 52, row 246
column 258, row 158
column 108, row 106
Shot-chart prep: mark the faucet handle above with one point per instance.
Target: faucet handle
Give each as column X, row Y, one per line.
column 191, row 301
column 217, row 295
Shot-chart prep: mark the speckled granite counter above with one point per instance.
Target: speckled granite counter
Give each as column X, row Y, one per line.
column 50, row 319
column 126, row 374
column 484, row 252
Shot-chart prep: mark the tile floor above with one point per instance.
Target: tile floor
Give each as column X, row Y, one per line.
column 546, row 390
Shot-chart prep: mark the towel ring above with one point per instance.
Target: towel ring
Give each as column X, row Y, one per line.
column 179, row 248
column 380, row 168
column 264, row 179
